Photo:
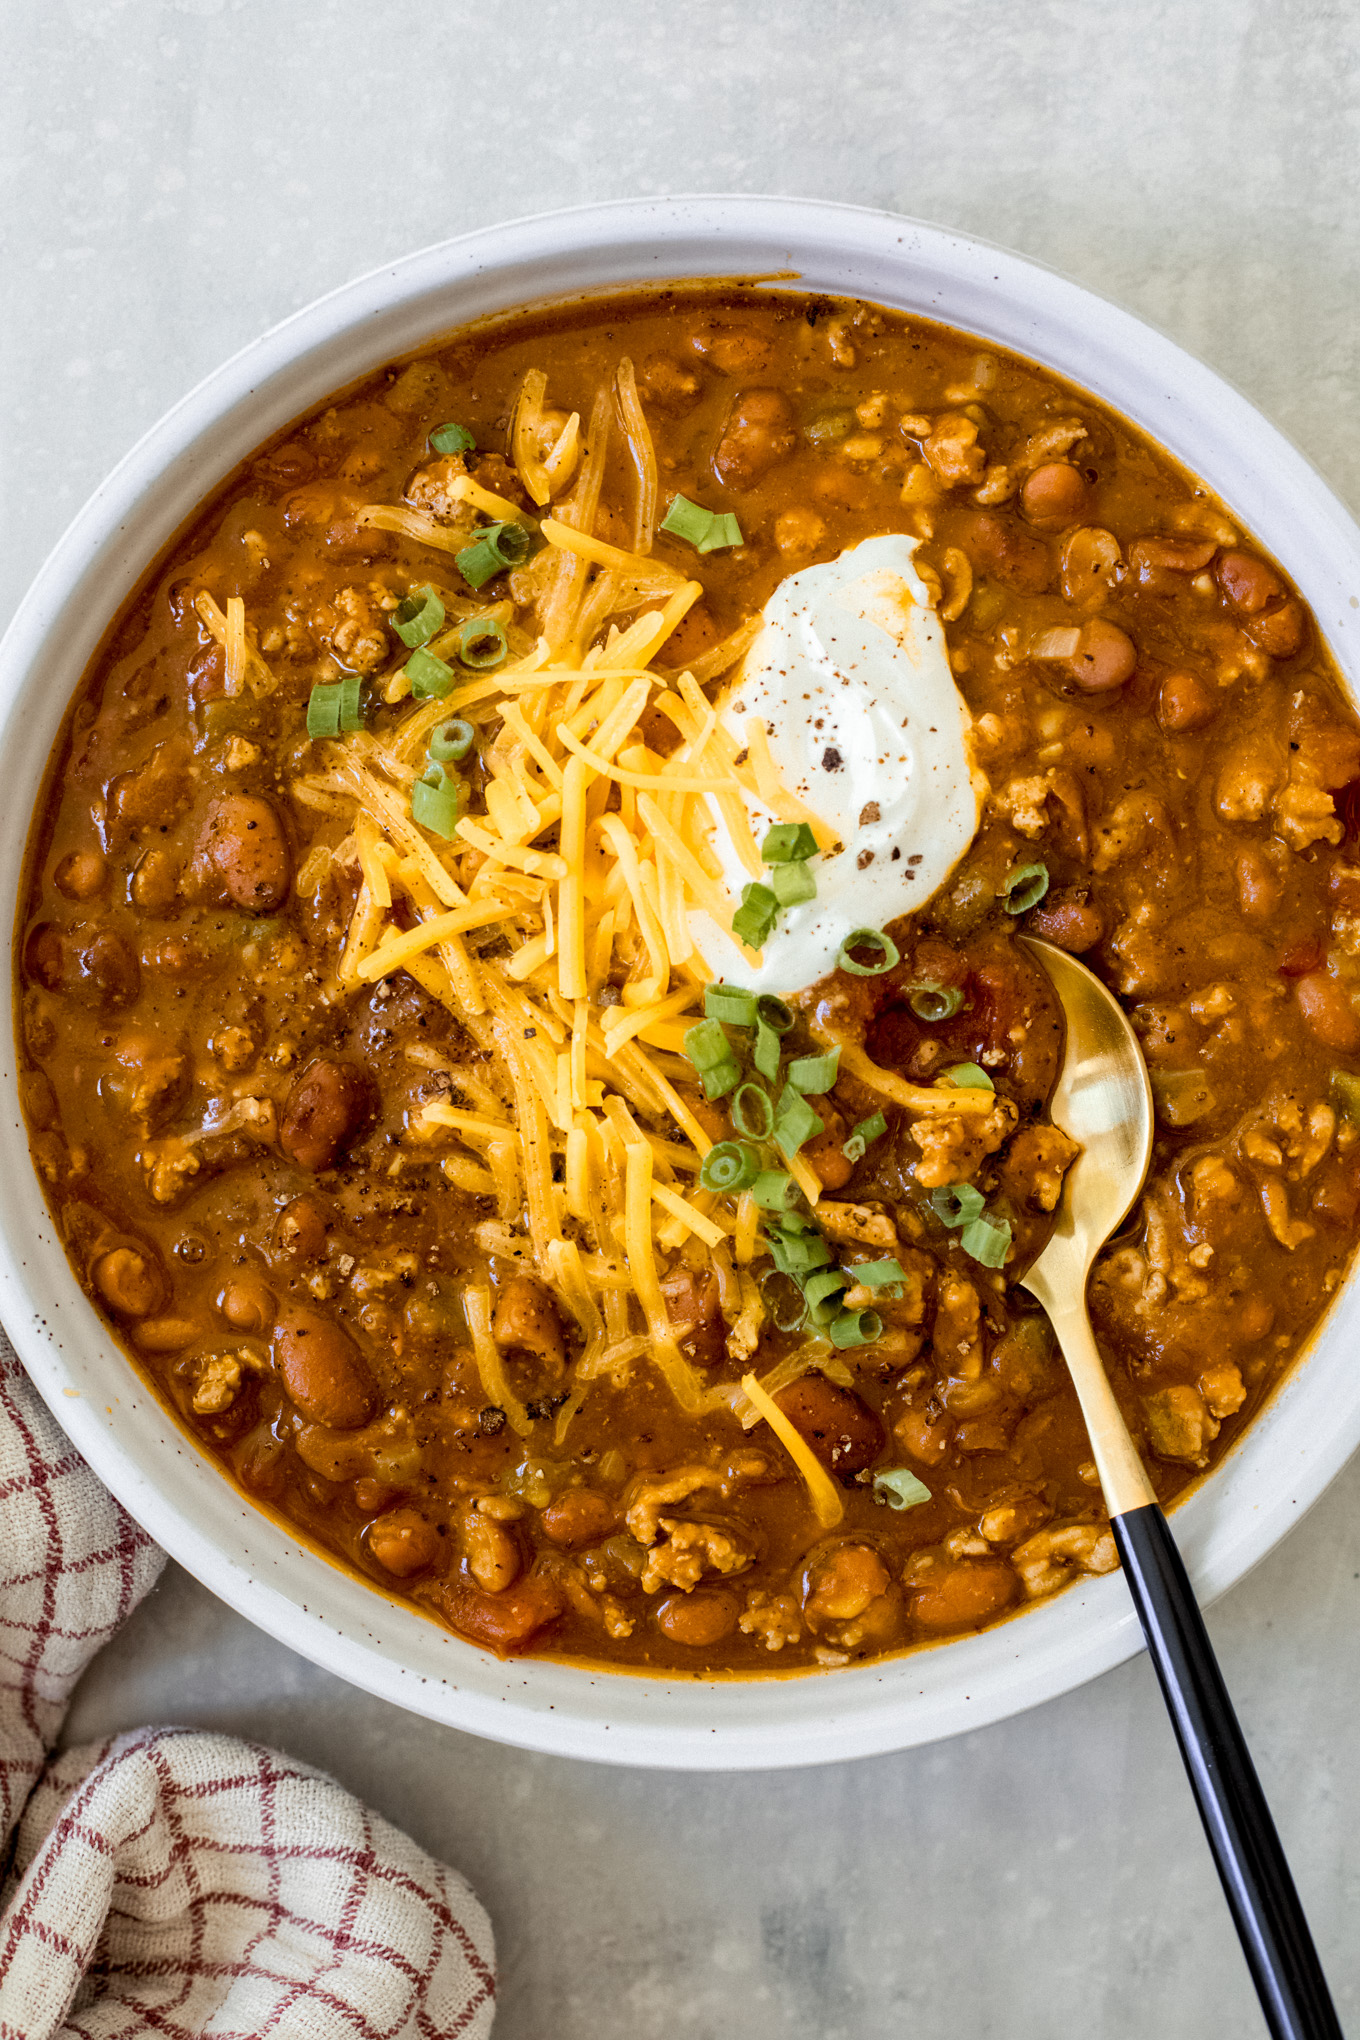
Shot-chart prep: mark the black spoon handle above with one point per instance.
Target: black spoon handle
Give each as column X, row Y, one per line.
column 1256, row 1880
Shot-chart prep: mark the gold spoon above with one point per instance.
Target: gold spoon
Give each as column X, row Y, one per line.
column 1104, row 1100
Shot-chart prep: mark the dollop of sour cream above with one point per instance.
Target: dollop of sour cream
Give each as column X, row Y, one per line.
column 851, row 677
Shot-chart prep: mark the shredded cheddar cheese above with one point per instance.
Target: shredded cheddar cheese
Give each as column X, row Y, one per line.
column 823, row 1493
column 491, row 1368
column 554, row 921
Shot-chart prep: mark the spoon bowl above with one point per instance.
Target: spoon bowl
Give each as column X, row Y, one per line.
column 1103, row 1100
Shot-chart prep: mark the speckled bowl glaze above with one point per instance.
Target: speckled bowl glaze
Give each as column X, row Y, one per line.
column 1263, row 1487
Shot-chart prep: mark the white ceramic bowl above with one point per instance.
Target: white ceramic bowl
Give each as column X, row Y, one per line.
column 1292, row 1450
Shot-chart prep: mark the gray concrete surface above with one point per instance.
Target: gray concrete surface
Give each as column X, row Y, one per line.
column 177, row 174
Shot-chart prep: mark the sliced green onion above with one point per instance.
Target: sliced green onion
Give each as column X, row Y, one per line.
column 987, row 1239
column 730, row 1003
column 323, row 710
column 752, row 1112
column 856, row 1328
column 821, row 1291
column 352, row 702
column 774, row 1013
column 419, row 617
column 795, row 1122
column 792, row 884
column 774, row 1191
column 482, row 643
column 1024, row 888
column 788, row 843
column 931, row 1001
column 868, row 938
column 815, row 1074
column 687, row 520
column 428, row 675
column 900, row 1488
column 877, row 1274
column 867, row 1130
column 797, row 1221
column 496, row 547
column 1344, row 1089
column 452, row 740
column 711, row 1054
column 969, row 1077
column 756, row 915
column 784, row 1299
column 334, row 707
column 706, row 530
column 957, row 1204
column 435, row 807
column 452, row 438
column 731, row 1165
column 799, row 1253
column 765, row 1054
column 722, row 532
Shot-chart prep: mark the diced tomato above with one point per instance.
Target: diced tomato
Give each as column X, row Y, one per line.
column 502, row 1622
column 1303, row 957
column 1343, row 881
column 1337, row 1197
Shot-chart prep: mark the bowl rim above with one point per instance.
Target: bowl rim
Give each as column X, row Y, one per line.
column 245, row 1555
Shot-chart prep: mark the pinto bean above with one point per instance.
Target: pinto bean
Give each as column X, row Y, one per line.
column 248, row 1303
column 966, row 1595
column 1105, row 657
column 1186, row 703
column 81, row 874
column 1089, row 561
column 1161, row 564
column 323, row 504
column 327, row 1106
column 526, row 1318
column 694, row 1309
column 1055, row 496
column 302, row 1230
column 1073, row 925
column 492, row 1554
column 374, row 1497
column 1249, row 584
column 103, row 971
column 130, row 1280
column 759, row 433
column 45, row 956
column 926, row 1437
column 1001, row 548
column 697, row 1619
column 1280, row 631
column 1274, row 619
column 733, row 350
column 665, row 383
column 843, row 1582
column 323, row 1370
column 502, row 1622
column 242, row 844
column 167, row 1334
column 1258, row 887
column 154, row 793
column 403, row 1542
column 826, row 1153
column 843, row 1431
column 580, row 1516
column 1327, row 1010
